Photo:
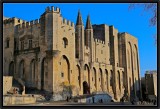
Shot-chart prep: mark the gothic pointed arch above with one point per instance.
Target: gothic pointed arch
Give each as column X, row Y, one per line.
column 65, row 68
column 87, row 73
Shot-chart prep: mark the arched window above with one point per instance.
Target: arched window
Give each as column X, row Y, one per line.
column 30, row 43
column 65, row 42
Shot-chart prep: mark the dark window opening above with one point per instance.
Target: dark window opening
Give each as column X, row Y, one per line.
column 7, row 43
column 62, row 74
column 65, row 42
column 30, row 43
column 77, row 55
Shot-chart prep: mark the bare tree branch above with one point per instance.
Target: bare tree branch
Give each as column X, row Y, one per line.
column 148, row 7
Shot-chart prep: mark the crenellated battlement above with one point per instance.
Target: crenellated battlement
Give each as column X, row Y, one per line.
column 67, row 22
column 8, row 21
column 12, row 21
column 28, row 24
column 53, row 9
column 99, row 41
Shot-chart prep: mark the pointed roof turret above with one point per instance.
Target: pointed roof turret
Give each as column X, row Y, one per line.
column 88, row 23
column 79, row 19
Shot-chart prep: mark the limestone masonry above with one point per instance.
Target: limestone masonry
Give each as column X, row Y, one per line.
column 49, row 51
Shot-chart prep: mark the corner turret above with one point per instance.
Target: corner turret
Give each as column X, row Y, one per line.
column 88, row 23
column 79, row 19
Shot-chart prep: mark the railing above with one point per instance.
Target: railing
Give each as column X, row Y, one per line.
column 26, row 51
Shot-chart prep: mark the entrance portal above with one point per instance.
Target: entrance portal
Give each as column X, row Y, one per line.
column 86, row 89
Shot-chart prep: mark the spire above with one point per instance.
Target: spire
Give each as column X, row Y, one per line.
column 88, row 23
column 79, row 19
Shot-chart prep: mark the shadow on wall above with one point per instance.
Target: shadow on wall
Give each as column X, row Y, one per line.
column 135, row 93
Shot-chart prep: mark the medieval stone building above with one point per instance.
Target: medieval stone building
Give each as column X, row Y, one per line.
column 51, row 50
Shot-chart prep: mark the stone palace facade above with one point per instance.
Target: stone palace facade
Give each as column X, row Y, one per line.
column 46, row 52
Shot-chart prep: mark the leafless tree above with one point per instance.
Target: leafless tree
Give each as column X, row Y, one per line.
column 150, row 8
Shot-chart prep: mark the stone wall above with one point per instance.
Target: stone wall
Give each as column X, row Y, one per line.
column 54, row 38
column 12, row 100
column 98, row 98
column 7, row 84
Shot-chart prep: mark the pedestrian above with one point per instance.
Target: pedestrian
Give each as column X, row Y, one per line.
column 154, row 102
column 67, row 99
column 93, row 99
column 132, row 102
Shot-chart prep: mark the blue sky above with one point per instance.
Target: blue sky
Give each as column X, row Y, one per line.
column 135, row 22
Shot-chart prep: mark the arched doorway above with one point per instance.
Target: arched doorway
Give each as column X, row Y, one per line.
column 85, row 88
column 21, row 70
column 11, row 69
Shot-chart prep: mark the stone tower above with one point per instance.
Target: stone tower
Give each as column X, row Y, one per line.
column 79, row 37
